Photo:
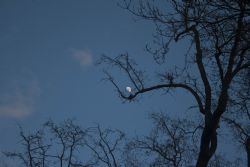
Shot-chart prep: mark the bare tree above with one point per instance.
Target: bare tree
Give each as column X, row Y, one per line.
column 170, row 143
column 219, row 35
column 34, row 150
column 69, row 138
column 65, row 144
column 241, row 131
column 242, row 134
column 55, row 144
column 239, row 118
column 106, row 146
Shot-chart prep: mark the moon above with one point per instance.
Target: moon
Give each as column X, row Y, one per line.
column 129, row 89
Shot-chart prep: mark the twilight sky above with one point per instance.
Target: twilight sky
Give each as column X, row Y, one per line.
column 47, row 54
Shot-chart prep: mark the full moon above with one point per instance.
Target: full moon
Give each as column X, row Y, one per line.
column 129, row 89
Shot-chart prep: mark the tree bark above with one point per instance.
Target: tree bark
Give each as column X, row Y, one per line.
column 208, row 144
column 247, row 144
column 204, row 149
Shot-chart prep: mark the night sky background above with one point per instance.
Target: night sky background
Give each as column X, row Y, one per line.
column 48, row 52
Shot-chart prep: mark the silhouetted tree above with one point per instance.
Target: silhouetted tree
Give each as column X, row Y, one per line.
column 64, row 145
column 239, row 118
column 219, row 36
column 170, row 143
column 242, row 134
column 68, row 139
column 34, row 150
column 54, row 145
column 106, row 146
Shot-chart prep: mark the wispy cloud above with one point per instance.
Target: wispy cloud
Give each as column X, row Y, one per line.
column 19, row 102
column 84, row 57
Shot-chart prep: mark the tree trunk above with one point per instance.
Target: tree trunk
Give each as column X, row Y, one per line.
column 247, row 144
column 208, row 146
column 203, row 158
column 202, row 161
column 204, row 149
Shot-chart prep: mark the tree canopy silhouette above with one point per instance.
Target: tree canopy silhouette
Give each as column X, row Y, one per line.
column 217, row 63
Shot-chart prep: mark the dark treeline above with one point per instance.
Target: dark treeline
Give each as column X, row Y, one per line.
column 170, row 143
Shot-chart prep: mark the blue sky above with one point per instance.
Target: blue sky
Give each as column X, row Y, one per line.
column 47, row 55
